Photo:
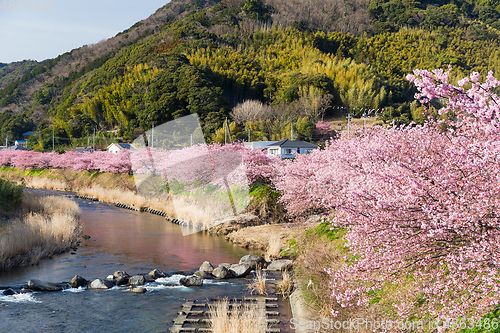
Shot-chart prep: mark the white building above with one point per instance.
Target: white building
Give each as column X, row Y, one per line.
column 289, row 149
column 117, row 147
column 259, row 144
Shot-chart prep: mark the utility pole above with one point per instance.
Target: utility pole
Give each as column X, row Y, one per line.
column 191, row 139
column 53, row 138
column 364, row 115
column 94, row 141
column 348, row 125
column 152, row 135
column 225, row 132
column 249, row 135
column 7, row 141
column 291, row 130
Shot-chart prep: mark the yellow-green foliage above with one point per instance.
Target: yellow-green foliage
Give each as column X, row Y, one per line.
column 277, row 57
column 112, row 100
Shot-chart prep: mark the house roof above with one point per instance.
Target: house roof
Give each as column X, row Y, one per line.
column 122, row 145
column 292, row 144
column 28, row 133
column 83, row 150
column 17, row 147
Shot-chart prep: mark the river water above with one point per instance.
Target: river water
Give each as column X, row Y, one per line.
column 125, row 240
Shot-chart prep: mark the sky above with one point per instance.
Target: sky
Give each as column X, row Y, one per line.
column 64, row 25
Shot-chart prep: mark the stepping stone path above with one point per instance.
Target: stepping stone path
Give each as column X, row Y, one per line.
column 194, row 315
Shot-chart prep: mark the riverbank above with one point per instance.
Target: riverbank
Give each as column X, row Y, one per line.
column 43, row 227
column 244, row 230
column 120, row 189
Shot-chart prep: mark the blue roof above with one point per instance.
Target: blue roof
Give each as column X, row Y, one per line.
column 17, row 147
column 292, row 144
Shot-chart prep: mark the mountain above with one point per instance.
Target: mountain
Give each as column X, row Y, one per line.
column 201, row 56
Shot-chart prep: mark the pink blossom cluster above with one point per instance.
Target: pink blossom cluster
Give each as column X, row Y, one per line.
column 101, row 161
column 189, row 162
column 420, row 204
column 204, row 164
column 323, row 128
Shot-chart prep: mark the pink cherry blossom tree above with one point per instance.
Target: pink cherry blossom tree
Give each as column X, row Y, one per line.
column 420, row 204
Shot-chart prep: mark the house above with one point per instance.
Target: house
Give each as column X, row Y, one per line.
column 117, row 147
column 20, row 143
column 259, row 144
column 288, row 148
column 83, row 150
column 17, row 147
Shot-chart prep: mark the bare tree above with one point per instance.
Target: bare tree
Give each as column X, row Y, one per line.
column 347, row 16
column 251, row 110
column 315, row 107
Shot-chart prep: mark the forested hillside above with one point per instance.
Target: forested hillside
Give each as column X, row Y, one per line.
column 303, row 58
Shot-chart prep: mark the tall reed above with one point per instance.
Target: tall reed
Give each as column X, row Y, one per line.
column 48, row 225
column 246, row 318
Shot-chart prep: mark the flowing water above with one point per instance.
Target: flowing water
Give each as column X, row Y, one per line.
column 125, row 240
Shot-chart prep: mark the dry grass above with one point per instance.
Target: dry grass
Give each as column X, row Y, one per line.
column 274, row 248
column 113, row 196
column 51, row 226
column 258, row 237
column 202, row 212
column 285, row 287
column 248, row 318
column 309, row 269
column 258, row 284
column 47, row 184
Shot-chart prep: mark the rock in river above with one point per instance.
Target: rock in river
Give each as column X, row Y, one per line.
column 37, row 285
column 121, row 278
column 8, row 292
column 156, row 274
column 138, row 290
column 101, row 284
column 137, row 280
column 192, row 281
column 240, row 270
column 221, row 272
column 253, row 261
column 280, row 265
column 206, row 267
column 204, row 275
column 77, row 281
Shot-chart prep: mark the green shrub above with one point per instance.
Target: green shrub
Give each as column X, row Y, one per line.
column 10, row 195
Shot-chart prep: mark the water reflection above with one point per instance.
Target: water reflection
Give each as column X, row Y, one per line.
column 126, row 240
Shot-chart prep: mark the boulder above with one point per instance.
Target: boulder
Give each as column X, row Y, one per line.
column 156, row 274
column 192, row 281
column 204, row 275
column 137, row 280
column 121, row 278
column 280, row 265
column 225, row 265
column 25, row 291
column 101, row 284
column 240, row 270
column 221, row 272
column 206, row 267
column 110, row 277
column 253, row 261
column 148, row 278
column 8, row 292
column 138, row 290
column 77, row 281
column 37, row 285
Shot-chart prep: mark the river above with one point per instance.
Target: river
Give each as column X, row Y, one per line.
column 125, row 240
